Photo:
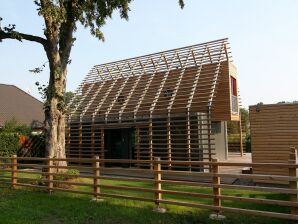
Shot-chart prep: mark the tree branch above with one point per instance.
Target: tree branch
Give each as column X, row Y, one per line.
column 22, row 36
column 66, row 32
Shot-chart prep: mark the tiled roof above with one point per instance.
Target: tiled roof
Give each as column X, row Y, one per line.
column 15, row 103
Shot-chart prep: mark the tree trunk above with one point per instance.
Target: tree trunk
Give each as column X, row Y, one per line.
column 54, row 115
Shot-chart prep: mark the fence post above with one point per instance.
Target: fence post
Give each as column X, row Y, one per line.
column 293, row 184
column 50, row 174
column 216, row 191
column 14, row 168
column 96, row 180
column 157, row 185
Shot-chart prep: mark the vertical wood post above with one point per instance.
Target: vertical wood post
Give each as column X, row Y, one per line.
column 50, row 175
column 96, row 178
column 188, row 140
column 157, row 184
column 92, row 140
column 137, row 147
column 102, row 145
column 209, row 135
column 293, row 184
column 80, row 142
column 68, row 140
column 216, row 189
column 150, row 143
column 240, row 134
column 169, row 141
column 14, row 168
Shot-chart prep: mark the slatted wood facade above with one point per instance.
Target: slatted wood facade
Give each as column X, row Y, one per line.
column 274, row 130
column 168, row 100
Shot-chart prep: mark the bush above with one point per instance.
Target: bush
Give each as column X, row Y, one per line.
column 9, row 144
column 248, row 143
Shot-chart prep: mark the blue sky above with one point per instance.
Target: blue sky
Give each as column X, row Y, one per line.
column 263, row 36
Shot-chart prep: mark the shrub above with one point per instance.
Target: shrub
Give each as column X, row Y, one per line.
column 248, row 143
column 9, row 144
column 12, row 126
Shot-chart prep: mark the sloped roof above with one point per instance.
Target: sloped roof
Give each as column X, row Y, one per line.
column 15, row 103
column 172, row 81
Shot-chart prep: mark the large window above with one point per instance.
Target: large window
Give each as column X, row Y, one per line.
column 233, row 86
column 234, row 95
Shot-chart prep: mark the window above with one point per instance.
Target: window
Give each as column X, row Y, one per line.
column 233, row 86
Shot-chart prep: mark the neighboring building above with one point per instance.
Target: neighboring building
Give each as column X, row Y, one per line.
column 173, row 104
column 17, row 104
column 274, row 130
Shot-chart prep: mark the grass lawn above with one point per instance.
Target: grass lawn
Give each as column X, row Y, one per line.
column 35, row 206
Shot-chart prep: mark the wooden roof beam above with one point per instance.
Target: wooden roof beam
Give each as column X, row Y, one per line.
column 133, row 88
column 157, row 95
column 147, row 86
column 194, row 87
column 119, row 91
column 179, row 81
column 210, row 58
column 216, row 74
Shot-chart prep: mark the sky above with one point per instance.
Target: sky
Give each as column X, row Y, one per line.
column 263, row 36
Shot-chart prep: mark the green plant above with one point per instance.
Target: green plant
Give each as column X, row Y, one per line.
column 9, row 144
column 12, row 126
column 248, row 143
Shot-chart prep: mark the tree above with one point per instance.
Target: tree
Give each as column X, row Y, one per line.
column 61, row 18
column 67, row 97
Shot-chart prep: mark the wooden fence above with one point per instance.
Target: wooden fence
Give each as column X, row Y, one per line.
column 14, row 170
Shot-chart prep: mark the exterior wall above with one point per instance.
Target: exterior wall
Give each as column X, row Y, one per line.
column 222, row 105
column 274, row 129
column 220, row 136
column 184, row 137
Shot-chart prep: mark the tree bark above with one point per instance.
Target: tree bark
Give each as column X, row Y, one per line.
column 54, row 111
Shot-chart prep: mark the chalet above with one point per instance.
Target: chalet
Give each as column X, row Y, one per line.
column 17, row 104
column 172, row 104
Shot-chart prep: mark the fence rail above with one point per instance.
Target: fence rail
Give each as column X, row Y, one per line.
column 20, row 171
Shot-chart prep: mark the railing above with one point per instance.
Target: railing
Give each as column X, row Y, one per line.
column 160, row 186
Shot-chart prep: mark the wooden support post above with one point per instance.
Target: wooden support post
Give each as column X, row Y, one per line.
column 188, row 140
column 169, row 142
column 157, row 185
column 50, row 175
column 240, row 135
column 293, row 184
column 102, row 145
column 68, row 139
column 137, row 147
column 80, row 142
column 209, row 135
column 14, row 168
column 96, row 179
column 150, row 143
column 216, row 187
column 92, row 140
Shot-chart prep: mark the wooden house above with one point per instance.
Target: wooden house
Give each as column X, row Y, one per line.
column 171, row 104
column 274, row 130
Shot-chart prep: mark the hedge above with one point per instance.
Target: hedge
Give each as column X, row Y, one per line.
column 9, row 144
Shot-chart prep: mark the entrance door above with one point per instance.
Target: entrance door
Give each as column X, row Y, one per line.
column 119, row 143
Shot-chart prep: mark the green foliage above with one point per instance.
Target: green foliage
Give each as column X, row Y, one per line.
column 12, row 126
column 233, row 127
column 248, row 143
column 9, row 144
column 67, row 97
